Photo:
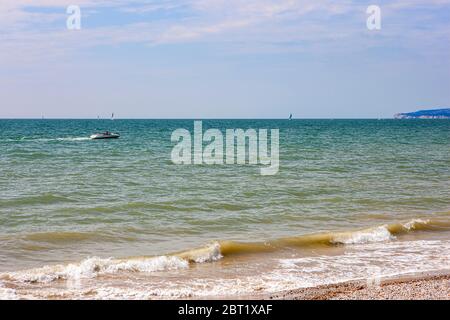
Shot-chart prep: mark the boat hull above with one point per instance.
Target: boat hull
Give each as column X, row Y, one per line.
column 100, row 137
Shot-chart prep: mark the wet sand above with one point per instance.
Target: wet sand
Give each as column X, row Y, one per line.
column 426, row 286
column 421, row 286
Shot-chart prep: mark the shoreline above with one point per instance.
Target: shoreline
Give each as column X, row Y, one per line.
column 422, row 286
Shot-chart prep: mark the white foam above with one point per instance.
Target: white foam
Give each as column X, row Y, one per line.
column 7, row 293
column 371, row 261
column 379, row 234
column 73, row 139
column 411, row 225
column 55, row 139
column 93, row 267
column 210, row 254
column 148, row 265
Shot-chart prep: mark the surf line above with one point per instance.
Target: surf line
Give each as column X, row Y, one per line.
column 239, row 147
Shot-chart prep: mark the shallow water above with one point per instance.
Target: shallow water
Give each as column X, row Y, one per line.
column 65, row 198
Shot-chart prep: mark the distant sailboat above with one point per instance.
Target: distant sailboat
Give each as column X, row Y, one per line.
column 112, row 116
column 290, row 116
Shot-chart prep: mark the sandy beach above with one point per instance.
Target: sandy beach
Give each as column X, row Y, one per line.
column 425, row 286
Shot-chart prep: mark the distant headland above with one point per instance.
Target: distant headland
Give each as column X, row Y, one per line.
column 425, row 114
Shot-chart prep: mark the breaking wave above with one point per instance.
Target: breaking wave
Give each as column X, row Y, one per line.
column 94, row 266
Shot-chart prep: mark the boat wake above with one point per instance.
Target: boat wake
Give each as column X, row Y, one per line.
column 73, row 139
column 35, row 139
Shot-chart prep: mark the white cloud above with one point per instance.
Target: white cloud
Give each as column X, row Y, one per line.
column 33, row 34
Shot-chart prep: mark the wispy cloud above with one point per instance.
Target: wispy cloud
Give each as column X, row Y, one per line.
column 35, row 28
column 154, row 6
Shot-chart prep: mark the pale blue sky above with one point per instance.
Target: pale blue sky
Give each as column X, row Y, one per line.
column 223, row 59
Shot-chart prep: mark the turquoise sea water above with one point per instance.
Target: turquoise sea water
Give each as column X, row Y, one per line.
column 64, row 197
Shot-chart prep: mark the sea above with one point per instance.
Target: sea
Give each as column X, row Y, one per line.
column 117, row 219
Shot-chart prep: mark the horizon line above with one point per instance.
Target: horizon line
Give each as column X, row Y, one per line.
column 199, row 119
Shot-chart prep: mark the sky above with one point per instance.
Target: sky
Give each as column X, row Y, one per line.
column 223, row 58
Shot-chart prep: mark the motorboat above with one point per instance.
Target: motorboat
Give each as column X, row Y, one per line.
column 105, row 135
